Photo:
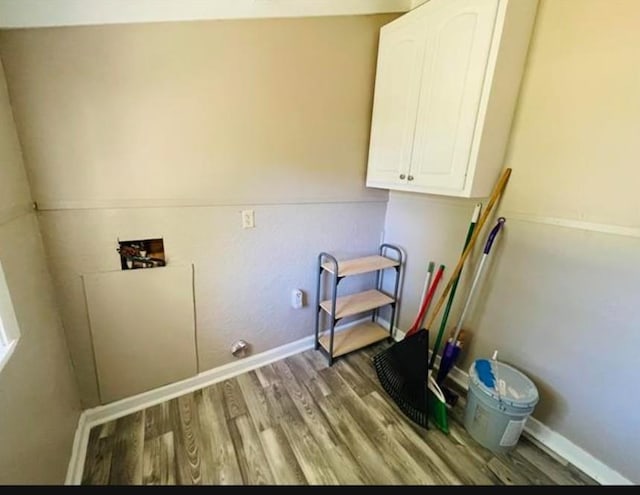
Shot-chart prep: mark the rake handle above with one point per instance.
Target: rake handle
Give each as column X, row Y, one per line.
column 495, row 195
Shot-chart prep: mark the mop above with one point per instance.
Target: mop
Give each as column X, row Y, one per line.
column 452, row 347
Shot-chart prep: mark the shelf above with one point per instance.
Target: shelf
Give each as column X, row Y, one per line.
column 354, row 338
column 361, row 265
column 357, row 303
column 335, row 308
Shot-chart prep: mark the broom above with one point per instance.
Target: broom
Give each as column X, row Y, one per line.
column 403, row 368
column 437, row 396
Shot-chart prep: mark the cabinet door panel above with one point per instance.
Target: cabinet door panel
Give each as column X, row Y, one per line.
column 395, row 102
column 459, row 34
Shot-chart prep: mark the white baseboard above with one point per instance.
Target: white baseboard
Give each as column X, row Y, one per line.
column 78, row 452
column 576, row 455
column 103, row 414
column 537, row 431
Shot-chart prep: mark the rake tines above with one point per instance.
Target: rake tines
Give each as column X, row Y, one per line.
column 402, row 371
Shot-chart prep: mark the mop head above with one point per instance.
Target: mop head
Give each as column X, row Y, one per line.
column 402, row 371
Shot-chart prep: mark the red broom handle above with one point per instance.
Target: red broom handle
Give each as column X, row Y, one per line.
column 425, row 303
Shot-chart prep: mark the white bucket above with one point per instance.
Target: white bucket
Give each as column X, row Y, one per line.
column 499, row 401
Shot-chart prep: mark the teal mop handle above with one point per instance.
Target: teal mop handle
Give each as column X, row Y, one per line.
column 447, row 309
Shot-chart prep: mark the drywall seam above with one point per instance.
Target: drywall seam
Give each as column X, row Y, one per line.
column 117, row 204
column 602, row 228
column 569, row 223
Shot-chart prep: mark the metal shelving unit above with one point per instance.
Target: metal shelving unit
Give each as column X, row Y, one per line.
column 334, row 344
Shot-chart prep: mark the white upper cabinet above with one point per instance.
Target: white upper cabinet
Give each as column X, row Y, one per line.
column 447, row 82
column 396, row 95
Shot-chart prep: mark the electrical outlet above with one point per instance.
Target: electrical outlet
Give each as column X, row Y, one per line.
column 297, row 298
column 248, row 219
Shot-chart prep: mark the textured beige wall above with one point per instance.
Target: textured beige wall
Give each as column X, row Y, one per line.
column 221, row 112
column 39, row 405
column 14, row 187
column 266, row 114
column 142, row 328
column 561, row 304
column 242, row 278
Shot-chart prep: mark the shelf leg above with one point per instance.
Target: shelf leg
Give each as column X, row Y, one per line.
column 374, row 314
column 334, row 296
column 316, row 344
column 395, row 297
column 393, row 315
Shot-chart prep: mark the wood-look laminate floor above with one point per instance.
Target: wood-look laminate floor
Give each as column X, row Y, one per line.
column 298, row 421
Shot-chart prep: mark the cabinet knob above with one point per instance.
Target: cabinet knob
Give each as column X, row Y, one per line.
column 402, row 176
column 410, row 177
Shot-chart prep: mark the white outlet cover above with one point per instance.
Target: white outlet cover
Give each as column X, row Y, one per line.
column 248, row 219
column 297, row 297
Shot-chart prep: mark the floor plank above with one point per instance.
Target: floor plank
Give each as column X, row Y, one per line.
column 554, row 470
column 415, row 445
column 505, row 473
column 392, row 453
column 319, row 445
column 312, row 461
column 277, row 397
column 267, row 376
column 97, row 466
column 225, row 469
column 301, row 368
column 533, row 475
column 307, row 406
column 364, row 366
column 186, row 441
column 126, row 457
column 359, row 383
column 253, row 462
column 358, row 443
column 299, row 421
column 355, row 438
column 460, row 458
column 233, row 399
column 305, row 372
column 281, row 458
column 156, row 420
column 255, row 400
column 159, row 466
column 341, row 461
column 107, row 429
column 317, row 360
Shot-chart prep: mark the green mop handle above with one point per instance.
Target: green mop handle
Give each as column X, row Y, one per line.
column 445, row 316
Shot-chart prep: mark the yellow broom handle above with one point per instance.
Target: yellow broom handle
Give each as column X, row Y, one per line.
column 495, row 195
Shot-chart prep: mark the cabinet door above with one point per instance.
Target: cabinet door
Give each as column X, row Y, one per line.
column 395, row 102
column 459, row 34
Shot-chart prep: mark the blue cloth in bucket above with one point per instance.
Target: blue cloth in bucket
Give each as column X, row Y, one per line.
column 485, row 373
